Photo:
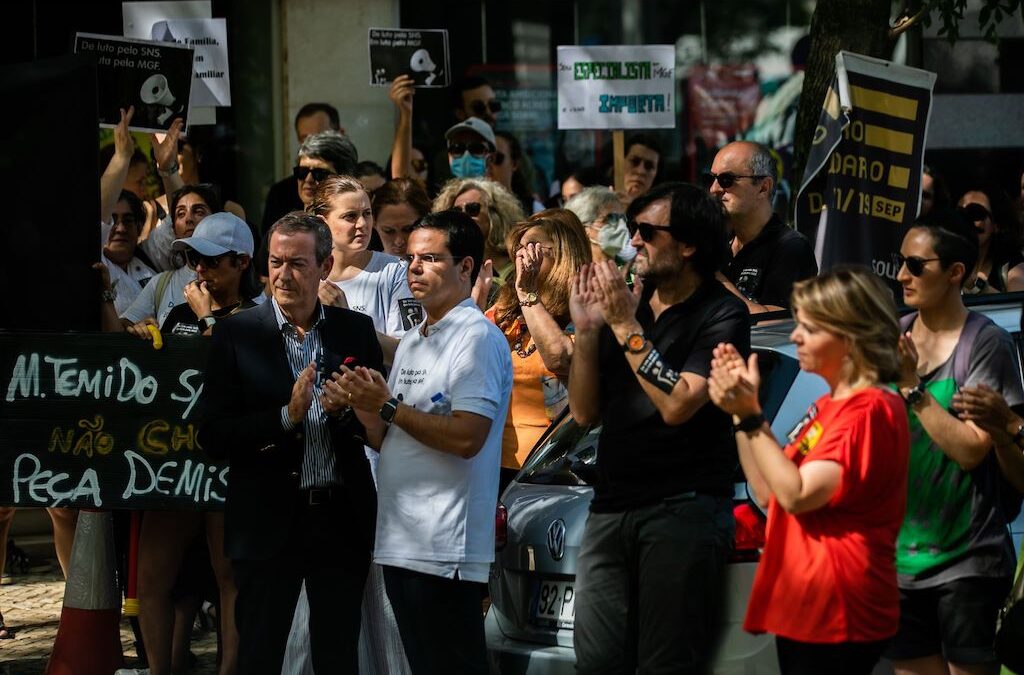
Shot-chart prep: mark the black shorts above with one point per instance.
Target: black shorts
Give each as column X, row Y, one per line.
column 956, row 620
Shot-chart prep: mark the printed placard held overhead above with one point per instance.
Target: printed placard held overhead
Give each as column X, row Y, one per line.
column 616, row 87
column 422, row 54
column 155, row 77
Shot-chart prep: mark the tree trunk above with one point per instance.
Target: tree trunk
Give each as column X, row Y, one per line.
column 860, row 26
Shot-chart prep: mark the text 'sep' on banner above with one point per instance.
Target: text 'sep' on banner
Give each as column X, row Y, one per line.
column 862, row 186
column 616, row 87
column 104, row 421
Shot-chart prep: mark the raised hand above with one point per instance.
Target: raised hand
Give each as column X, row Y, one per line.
column 166, row 150
column 528, row 261
column 401, row 93
column 618, row 302
column 124, row 144
column 584, row 305
column 733, row 383
column 482, row 287
column 302, row 394
column 907, row 352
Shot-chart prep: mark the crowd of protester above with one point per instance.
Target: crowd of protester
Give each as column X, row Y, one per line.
column 391, row 342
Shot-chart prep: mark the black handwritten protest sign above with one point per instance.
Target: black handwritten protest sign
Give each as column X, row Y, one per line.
column 103, row 421
column 155, row 77
column 419, row 53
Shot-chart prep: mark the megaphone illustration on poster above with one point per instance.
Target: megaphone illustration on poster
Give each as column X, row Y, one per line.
column 155, row 91
column 422, row 63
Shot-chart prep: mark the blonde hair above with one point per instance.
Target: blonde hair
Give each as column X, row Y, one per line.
column 854, row 303
column 502, row 207
column 328, row 189
column 571, row 249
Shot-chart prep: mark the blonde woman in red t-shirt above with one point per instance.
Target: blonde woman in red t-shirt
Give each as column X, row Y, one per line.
column 826, row 585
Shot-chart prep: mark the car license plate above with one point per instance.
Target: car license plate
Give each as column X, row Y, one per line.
column 555, row 603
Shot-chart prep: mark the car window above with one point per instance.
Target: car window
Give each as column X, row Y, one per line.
column 567, row 453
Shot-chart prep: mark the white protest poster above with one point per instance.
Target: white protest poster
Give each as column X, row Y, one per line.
column 616, row 87
column 155, row 77
column 140, row 18
column 209, row 38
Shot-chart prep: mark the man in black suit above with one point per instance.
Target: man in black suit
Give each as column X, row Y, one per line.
column 301, row 503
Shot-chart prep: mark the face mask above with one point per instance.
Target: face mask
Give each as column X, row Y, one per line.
column 614, row 239
column 468, row 166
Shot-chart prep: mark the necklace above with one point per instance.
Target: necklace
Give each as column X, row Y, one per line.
column 517, row 346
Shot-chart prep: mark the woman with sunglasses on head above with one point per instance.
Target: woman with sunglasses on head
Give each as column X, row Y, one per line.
column 532, row 310
column 495, row 210
column 826, row 585
column 1000, row 266
column 321, row 155
column 397, row 205
column 954, row 555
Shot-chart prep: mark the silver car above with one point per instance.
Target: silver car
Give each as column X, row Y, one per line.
column 543, row 512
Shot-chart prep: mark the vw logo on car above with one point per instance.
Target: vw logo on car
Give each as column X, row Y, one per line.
column 556, row 539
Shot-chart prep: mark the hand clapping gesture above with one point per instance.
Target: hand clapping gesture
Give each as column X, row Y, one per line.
column 907, row 352
column 584, row 305
column 618, row 302
column 733, row 383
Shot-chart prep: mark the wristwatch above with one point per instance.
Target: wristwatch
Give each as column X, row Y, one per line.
column 530, row 300
column 635, row 343
column 208, row 321
column 388, row 410
column 1018, row 438
column 108, row 295
column 913, row 395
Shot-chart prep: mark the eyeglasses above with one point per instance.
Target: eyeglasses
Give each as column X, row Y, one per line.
column 300, row 173
column 428, row 258
column 635, row 162
column 646, row 230
column 975, row 212
column 521, row 245
column 210, row 262
column 915, row 265
column 480, row 108
column 477, row 149
column 727, row 180
column 471, row 209
column 419, row 165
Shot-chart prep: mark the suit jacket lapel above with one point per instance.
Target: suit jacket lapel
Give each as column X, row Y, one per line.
column 276, row 368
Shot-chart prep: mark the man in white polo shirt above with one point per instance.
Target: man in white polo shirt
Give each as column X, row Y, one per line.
column 438, row 422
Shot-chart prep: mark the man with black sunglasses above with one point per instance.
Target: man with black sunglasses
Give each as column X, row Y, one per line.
column 767, row 256
column 650, row 569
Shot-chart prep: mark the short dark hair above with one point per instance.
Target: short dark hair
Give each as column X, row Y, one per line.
column 208, row 192
column 369, row 168
column 333, row 148
column 462, row 236
column 298, row 222
column 695, row 218
column 954, row 239
column 311, row 109
column 644, row 139
column 464, row 84
column 135, row 204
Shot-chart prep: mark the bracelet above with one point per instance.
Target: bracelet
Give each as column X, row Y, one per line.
column 108, row 295
column 170, row 171
column 750, row 423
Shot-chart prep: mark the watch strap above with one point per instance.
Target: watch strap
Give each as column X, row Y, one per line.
column 751, row 423
column 388, row 410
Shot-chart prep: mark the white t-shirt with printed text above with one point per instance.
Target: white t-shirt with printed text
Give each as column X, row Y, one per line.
column 435, row 510
column 381, row 291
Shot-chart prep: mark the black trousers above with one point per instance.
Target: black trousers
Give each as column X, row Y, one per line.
column 650, row 587
column 268, row 590
column 843, row 658
column 440, row 620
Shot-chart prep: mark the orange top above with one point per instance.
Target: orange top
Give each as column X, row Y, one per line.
column 537, row 397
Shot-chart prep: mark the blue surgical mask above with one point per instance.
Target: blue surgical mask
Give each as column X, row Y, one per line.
column 468, row 166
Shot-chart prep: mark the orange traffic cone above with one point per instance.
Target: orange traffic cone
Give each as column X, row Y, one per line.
column 89, row 639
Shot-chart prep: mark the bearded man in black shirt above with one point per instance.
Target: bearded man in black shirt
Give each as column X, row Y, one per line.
column 650, row 569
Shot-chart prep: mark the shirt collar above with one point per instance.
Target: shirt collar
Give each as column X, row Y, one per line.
column 448, row 318
column 287, row 326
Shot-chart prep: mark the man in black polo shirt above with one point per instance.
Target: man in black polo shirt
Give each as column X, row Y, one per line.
column 650, row 570
column 767, row 256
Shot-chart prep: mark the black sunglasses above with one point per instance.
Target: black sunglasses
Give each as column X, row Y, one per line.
column 476, row 149
column 646, row 230
column 210, row 262
column 480, row 108
column 975, row 212
column 300, row 173
column 727, row 180
column 635, row 162
column 471, row 209
column 915, row 265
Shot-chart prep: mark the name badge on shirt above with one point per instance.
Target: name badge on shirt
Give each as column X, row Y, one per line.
column 811, row 438
column 811, row 413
